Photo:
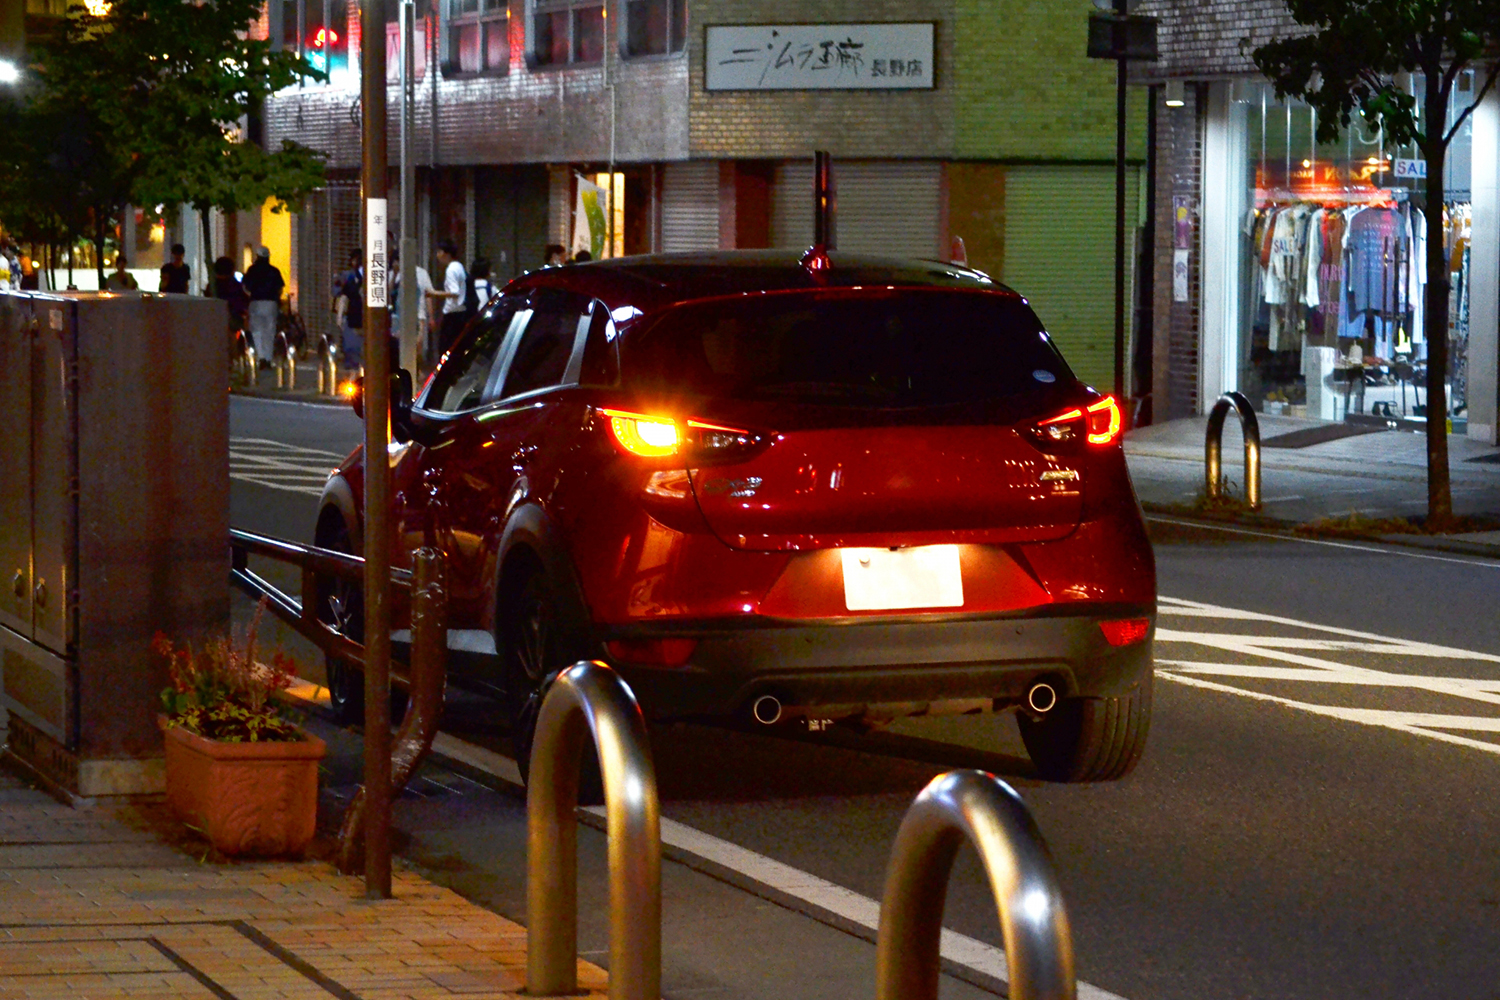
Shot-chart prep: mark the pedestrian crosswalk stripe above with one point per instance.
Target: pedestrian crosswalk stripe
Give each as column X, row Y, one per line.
column 1337, row 671
column 279, row 466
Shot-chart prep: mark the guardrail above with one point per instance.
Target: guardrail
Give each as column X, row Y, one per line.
column 589, row 699
column 364, row 843
column 979, row 808
column 315, row 563
column 1213, row 447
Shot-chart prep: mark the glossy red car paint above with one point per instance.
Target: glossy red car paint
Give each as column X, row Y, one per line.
column 694, row 542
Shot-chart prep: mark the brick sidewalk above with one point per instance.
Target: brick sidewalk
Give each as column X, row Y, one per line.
column 92, row 907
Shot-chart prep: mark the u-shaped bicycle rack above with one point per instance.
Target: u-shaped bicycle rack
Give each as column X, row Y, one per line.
column 589, row 699
column 979, row 808
column 1213, row 447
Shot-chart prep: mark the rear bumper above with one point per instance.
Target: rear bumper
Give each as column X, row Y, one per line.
column 870, row 664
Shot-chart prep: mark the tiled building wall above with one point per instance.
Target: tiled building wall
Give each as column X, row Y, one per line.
column 1214, row 38
column 848, row 123
column 1024, row 88
column 524, row 117
column 1179, row 182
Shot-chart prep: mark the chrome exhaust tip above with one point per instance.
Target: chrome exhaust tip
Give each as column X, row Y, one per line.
column 1041, row 698
column 766, row 710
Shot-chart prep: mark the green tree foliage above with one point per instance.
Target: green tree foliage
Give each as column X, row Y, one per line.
column 144, row 104
column 1357, row 58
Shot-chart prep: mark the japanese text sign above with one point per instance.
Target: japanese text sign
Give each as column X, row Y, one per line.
column 377, row 254
column 819, row 57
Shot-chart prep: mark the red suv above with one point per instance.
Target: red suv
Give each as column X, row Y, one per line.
column 827, row 487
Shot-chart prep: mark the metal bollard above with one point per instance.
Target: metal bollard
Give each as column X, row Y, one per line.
column 1213, row 447
column 278, row 359
column 978, row 807
column 589, row 698
column 328, row 366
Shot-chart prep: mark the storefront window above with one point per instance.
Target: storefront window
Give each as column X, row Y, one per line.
column 1333, row 266
column 393, row 42
column 566, row 31
column 654, row 27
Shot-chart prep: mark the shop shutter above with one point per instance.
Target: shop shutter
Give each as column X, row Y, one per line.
column 886, row 207
column 1059, row 253
column 690, row 206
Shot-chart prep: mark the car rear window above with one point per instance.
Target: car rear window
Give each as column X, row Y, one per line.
column 902, row 349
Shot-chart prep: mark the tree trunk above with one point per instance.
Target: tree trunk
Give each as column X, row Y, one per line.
column 1439, row 491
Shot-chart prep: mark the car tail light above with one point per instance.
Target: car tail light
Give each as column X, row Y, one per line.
column 1104, row 421
column 707, row 443
column 699, row 442
column 1097, row 423
column 652, row 652
column 1125, row 632
column 642, row 434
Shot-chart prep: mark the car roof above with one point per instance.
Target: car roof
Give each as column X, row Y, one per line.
column 655, row 281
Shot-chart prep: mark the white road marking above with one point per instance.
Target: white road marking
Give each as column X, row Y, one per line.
column 1323, row 672
column 279, row 466
column 1391, row 550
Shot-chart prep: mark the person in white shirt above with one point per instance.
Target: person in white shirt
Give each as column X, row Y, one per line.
column 424, row 285
column 455, row 288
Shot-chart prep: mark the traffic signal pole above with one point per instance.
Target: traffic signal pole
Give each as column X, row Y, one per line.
column 377, row 473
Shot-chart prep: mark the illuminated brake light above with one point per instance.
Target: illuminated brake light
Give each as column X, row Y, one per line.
column 1104, row 421
column 1126, row 632
column 642, row 434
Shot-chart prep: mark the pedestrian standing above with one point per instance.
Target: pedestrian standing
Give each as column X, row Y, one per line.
column 175, row 275
column 454, row 291
column 479, row 274
column 264, row 282
column 120, row 280
column 555, row 255
column 228, row 287
column 424, row 285
column 349, row 307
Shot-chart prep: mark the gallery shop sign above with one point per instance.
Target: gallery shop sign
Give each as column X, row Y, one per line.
column 818, row 57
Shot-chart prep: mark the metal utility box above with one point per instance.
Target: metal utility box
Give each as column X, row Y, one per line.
column 114, row 515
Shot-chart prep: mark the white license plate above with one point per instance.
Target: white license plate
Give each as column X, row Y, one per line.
column 927, row 576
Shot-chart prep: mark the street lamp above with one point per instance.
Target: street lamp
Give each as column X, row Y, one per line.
column 9, row 72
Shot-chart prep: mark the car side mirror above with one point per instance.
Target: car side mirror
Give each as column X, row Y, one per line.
column 401, row 393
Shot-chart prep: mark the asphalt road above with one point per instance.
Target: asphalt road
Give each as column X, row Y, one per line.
column 1310, row 820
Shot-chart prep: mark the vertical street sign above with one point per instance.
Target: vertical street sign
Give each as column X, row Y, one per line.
column 377, row 254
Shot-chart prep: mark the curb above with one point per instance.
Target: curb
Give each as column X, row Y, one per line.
column 1273, row 526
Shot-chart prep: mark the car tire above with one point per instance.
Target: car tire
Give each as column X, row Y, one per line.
column 533, row 655
column 1090, row 739
column 341, row 603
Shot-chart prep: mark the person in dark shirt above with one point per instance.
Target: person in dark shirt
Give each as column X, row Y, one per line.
column 264, row 282
column 175, row 275
column 228, row 288
column 349, row 308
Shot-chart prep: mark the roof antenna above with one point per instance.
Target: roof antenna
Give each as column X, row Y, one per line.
column 825, row 208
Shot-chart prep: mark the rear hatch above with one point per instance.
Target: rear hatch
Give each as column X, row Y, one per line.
column 863, row 417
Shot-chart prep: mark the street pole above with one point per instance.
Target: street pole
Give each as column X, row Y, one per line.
column 1121, row 10
column 377, row 473
column 410, row 294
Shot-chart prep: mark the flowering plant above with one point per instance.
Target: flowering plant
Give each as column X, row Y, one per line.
column 221, row 693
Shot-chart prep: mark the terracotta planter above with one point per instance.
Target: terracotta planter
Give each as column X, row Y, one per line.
column 247, row 798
